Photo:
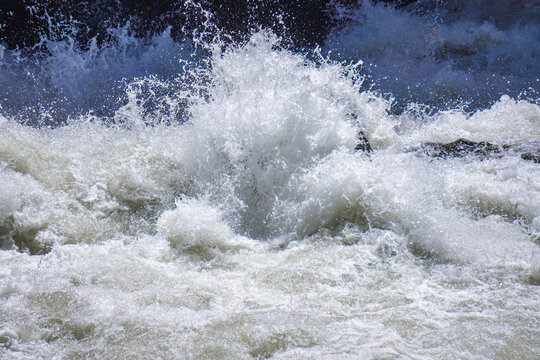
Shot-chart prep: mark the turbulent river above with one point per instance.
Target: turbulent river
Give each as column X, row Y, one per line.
column 174, row 200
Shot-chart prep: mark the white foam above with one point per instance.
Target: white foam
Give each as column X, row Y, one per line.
column 535, row 266
column 255, row 229
column 270, row 117
column 507, row 122
column 194, row 225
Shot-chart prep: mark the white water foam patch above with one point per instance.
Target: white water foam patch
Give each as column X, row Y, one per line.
column 165, row 273
column 196, row 227
column 506, row 122
column 535, row 266
column 399, row 192
column 9, row 193
column 313, row 299
column 266, row 148
column 270, row 116
column 87, row 182
column 508, row 188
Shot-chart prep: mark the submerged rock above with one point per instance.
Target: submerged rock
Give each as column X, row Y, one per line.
column 531, row 156
column 363, row 143
column 461, row 148
column 482, row 150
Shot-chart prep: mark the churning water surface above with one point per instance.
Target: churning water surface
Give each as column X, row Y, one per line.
column 208, row 203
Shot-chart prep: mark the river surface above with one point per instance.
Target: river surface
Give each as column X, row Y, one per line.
column 179, row 200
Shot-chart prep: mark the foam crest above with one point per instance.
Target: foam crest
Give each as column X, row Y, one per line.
column 506, row 122
column 270, row 116
column 380, row 194
column 196, row 227
column 85, row 182
column 270, row 147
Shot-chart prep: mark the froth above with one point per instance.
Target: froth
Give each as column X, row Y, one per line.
column 254, row 229
column 506, row 122
column 271, row 116
column 196, row 227
column 270, row 149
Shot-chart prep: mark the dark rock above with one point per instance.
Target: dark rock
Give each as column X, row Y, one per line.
column 529, row 156
column 398, row 4
column 302, row 23
column 363, row 143
column 24, row 22
column 462, row 148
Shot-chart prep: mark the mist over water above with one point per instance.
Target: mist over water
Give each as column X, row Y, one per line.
column 188, row 200
column 444, row 53
column 67, row 81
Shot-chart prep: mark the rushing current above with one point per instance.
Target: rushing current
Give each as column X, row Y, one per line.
column 184, row 200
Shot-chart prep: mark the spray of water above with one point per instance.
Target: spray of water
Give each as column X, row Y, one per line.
column 216, row 208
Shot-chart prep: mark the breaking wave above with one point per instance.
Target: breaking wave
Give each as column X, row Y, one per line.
column 184, row 199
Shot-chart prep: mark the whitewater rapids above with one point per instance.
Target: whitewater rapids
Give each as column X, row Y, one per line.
column 253, row 229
